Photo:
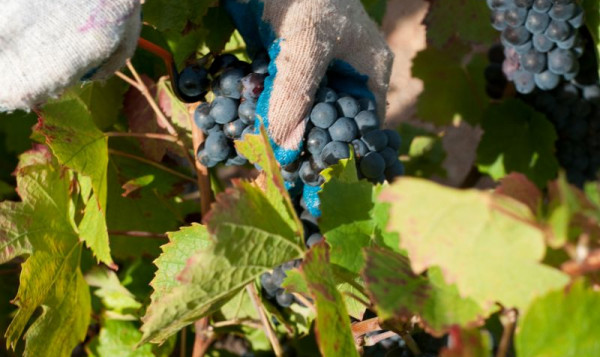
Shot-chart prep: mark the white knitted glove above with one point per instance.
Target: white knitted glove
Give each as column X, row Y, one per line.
column 303, row 37
column 48, row 45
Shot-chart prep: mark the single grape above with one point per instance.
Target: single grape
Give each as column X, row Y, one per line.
column 309, row 176
column 523, row 3
column 344, row 129
column 249, row 130
column 533, row 61
column 592, row 93
column 515, row 16
column 366, row 104
column 284, row 299
column 246, row 111
column 347, row 107
column 326, row 95
column 568, row 43
column 366, row 121
column 542, row 43
column 524, row 47
column 542, row 5
column 360, row 148
column 498, row 19
column 230, row 81
column 260, row 64
column 389, row 156
column 394, row 171
column 537, row 22
column 323, row 115
column 372, row 165
column 375, row 140
column 317, row 164
column 498, row 4
column 266, row 280
column 558, row 31
column 222, row 62
column 204, row 159
column 316, row 140
column 578, row 19
column 394, row 139
column 202, row 117
column 308, row 217
column 252, row 86
column 335, row 151
column 561, row 61
column 234, row 129
column 193, row 81
column 546, row 80
column 314, row 239
column 224, row 109
column 516, row 36
column 290, row 172
column 524, row 82
column 563, row 11
column 217, row 146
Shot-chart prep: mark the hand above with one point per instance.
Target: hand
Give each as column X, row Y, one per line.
column 47, row 46
column 303, row 38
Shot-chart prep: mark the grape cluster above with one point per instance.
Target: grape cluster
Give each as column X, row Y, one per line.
column 541, row 39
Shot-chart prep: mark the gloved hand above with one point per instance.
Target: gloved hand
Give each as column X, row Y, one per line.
column 46, row 46
column 303, row 38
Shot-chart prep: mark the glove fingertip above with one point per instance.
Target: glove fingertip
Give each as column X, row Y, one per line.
column 311, row 199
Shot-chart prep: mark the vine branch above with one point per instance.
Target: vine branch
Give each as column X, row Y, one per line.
column 265, row 320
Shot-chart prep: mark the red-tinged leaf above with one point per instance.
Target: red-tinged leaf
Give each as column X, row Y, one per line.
column 334, row 335
column 519, row 187
column 467, row 343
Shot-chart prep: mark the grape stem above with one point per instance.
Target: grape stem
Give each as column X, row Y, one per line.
column 152, row 163
column 264, row 319
column 305, row 301
column 373, row 340
column 138, row 234
column 508, row 322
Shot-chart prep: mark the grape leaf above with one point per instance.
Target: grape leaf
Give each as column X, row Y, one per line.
column 169, row 15
column 218, row 24
column 182, row 245
column 50, row 277
column 467, row 21
column 517, row 186
column 332, row 329
column 443, row 69
column 103, row 100
column 241, row 236
column 115, row 297
column 174, row 109
column 398, row 294
column 347, row 221
column 517, row 138
column 561, row 323
column 118, row 339
column 489, row 245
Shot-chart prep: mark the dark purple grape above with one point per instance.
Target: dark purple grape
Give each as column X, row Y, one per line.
column 246, row 111
column 217, row 146
column 498, row 19
column 558, row 31
column 360, row 148
column 334, row 152
column 234, row 129
column 344, row 129
column 323, row 115
column 561, row 61
column 537, row 22
column 316, row 140
column 260, row 64
column 202, row 117
column 546, row 80
column 309, row 176
column 394, row 171
column 563, row 12
column 252, row 86
column 389, row 155
column 578, row 19
column 533, row 61
column 542, row 43
column 372, row 165
column 230, row 82
column 515, row 16
column 394, row 139
column 284, row 299
column 193, row 81
column 524, row 82
column 498, row 4
column 347, row 107
column 516, row 36
column 568, row 43
column 326, row 95
column 249, row 130
column 366, row 121
column 204, row 159
column 523, row 3
column 266, row 281
column 542, row 5
column 222, row 62
column 224, row 109
column 375, row 140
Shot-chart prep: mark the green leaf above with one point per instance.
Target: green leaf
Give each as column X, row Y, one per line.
column 182, row 245
column 398, row 294
column 242, row 235
column 168, row 15
column 375, row 9
column 93, row 230
column 517, row 138
column 16, row 128
column 103, row 100
column 561, row 323
column 219, row 26
column 118, row 339
column 443, row 69
column 115, row 297
column 422, row 152
column 489, row 245
column 347, row 220
column 332, row 325
column 467, row 21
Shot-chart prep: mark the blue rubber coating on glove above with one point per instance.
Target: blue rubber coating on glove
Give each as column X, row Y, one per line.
column 294, row 188
column 311, row 199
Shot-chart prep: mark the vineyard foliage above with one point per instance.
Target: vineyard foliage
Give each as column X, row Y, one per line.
column 104, row 250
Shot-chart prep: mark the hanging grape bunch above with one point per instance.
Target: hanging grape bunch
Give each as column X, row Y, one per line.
column 541, row 41
column 336, row 123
